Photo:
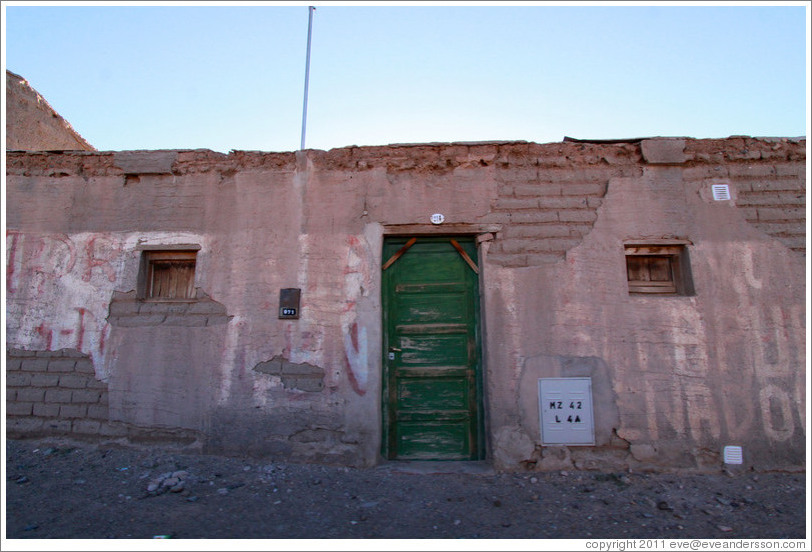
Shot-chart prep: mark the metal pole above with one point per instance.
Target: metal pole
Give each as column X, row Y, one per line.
column 310, row 10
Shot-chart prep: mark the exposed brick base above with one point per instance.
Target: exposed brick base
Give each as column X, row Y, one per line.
column 56, row 393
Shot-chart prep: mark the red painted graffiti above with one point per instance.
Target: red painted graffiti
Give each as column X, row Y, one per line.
column 12, row 251
column 353, row 381
column 96, row 261
column 39, row 257
column 350, row 373
column 80, row 334
column 47, row 334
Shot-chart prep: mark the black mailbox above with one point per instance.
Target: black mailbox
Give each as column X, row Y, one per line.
column 289, row 303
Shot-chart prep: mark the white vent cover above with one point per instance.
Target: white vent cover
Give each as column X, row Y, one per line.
column 565, row 410
column 721, row 192
column 732, row 455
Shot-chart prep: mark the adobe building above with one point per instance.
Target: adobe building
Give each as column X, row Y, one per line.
column 575, row 305
column 31, row 122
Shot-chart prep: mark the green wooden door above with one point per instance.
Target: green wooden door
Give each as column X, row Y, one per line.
column 432, row 375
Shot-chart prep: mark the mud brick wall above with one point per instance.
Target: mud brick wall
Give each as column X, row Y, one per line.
column 55, row 393
column 768, row 177
column 127, row 311
column 774, row 201
column 547, row 206
column 675, row 379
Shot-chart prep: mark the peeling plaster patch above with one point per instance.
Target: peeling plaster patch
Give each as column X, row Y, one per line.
column 229, row 364
column 357, row 283
column 127, row 311
column 303, row 377
column 67, row 279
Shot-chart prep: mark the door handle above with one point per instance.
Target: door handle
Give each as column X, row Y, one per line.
column 394, row 350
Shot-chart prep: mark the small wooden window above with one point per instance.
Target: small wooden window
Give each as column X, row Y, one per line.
column 657, row 269
column 170, row 275
column 650, row 274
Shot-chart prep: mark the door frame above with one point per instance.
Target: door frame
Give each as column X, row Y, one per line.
column 480, row 235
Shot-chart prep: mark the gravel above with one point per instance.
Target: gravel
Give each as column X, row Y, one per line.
column 72, row 490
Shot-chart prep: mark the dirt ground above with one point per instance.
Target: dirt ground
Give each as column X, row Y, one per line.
column 69, row 490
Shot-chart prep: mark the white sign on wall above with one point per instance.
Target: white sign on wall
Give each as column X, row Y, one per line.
column 565, row 411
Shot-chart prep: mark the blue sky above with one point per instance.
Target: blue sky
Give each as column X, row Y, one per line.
column 232, row 77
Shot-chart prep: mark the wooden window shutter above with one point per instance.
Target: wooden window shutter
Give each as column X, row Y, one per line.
column 170, row 274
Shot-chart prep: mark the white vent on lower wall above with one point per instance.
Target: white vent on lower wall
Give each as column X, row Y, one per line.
column 720, row 192
column 732, row 455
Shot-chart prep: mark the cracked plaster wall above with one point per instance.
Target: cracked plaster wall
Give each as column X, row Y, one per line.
column 674, row 378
